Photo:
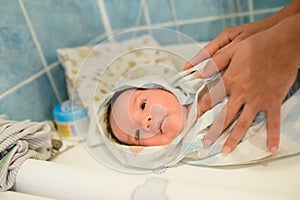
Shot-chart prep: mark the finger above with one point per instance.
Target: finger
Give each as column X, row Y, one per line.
column 212, row 97
column 209, row 50
column 217, row 91
column 199, row 57
column 240, row 129
column 225, row 118
column 273, row 128
column 204, row 104
column 217, row 63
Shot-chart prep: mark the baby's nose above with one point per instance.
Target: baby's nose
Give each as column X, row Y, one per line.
column 146, row 122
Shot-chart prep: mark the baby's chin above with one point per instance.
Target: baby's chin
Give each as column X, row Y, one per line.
column 169, row 136
column 164, row 140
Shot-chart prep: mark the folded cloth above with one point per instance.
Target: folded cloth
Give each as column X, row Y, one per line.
column 188, row 145
column 20, row 141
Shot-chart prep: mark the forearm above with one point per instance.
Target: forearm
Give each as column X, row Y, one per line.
column 290, row 9
column 287, row 33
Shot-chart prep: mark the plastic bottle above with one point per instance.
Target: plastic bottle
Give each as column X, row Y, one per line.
column 71, row 119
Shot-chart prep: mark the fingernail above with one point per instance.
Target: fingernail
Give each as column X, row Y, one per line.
column 273, row 149
column 207, row 142
column 226, row 149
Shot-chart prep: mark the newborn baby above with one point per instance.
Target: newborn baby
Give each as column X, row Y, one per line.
column 147, row 117
column 152, row 111
column 153, row 122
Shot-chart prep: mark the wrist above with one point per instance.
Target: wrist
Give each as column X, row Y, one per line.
column 286, row 33
column 290, row 9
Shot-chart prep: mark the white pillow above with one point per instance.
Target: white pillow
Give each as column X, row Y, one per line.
column 92, row 71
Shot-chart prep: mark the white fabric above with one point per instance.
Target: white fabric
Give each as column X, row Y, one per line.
column 188, row 146
column 20, row 141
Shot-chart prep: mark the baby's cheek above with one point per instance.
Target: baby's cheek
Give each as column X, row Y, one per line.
column 166, row 139
column 175, row 123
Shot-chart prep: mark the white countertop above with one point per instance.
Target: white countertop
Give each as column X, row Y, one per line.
column 277, row 179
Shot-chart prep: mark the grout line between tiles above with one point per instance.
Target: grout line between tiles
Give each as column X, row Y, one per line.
column 36, row 75
column 139, row 15
column 105, row 19
column 174, row 15
column 251, row 13
column 28, row 80
column 146, row 13
column 216, row 17
column 97, row 39
column 54, row 64
column 38, row 46
column 21, row 84
column 221, row 5
column 239, row 9
column 138, row 18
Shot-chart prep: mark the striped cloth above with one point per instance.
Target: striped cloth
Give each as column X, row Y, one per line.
column 19, row 141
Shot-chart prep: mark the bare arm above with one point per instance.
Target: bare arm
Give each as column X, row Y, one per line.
column 231, row 36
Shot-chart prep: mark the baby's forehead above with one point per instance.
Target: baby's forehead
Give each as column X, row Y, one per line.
column 127, row 94
column 125, row 99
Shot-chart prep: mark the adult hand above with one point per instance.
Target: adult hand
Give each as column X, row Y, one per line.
column 227, row 38
column 233, row 35
column 261, row 70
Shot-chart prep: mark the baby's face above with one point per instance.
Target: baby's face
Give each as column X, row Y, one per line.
column 148, row 117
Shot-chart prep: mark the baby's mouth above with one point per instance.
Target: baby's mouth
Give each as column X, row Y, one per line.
column 162, row 123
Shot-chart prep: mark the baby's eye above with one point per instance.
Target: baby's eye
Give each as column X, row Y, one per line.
column 143, row 105
column 137, row 134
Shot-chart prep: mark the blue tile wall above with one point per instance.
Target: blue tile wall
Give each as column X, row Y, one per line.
column 195, row 9
column 233, row 21
column 258, row 4
column 67, row 23
column 261, row 16
column 122, row 13
column 160, row 11
column 236, row 7
column 205, row 30
column 31, row 31
column 59, row 78
column 33, row 101
column 18, row 54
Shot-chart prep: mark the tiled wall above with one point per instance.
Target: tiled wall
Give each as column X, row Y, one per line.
column 32, row 80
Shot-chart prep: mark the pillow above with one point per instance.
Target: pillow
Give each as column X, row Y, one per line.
column 92, row 71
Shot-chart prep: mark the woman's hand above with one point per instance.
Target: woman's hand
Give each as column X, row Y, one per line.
column 260, row 71
column 231, row 36
column 227, row 38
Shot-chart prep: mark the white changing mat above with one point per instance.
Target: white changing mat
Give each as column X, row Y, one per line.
column 76, row 174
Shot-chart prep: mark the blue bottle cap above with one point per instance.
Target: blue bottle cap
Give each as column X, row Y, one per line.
column 68, row 111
